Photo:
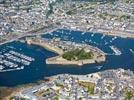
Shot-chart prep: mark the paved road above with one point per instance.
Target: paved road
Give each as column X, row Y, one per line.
column 27, row 34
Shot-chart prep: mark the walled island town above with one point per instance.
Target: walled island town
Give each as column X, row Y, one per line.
column 69, row 53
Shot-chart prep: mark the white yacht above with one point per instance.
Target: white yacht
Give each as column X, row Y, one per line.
column 131, row 50
column 116, row 50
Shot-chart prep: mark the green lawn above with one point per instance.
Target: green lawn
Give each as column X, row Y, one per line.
column 90, row 86
column 77, row 54
column 129, row 95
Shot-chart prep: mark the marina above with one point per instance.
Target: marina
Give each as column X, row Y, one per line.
column 12, row 60
column 21, row 56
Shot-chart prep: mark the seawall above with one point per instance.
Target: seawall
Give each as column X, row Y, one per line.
column 62, row 61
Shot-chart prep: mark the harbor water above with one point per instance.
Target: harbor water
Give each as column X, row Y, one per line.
column 121, row 55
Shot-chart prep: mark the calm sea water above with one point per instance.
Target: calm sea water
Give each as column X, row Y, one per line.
column 39, row 70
